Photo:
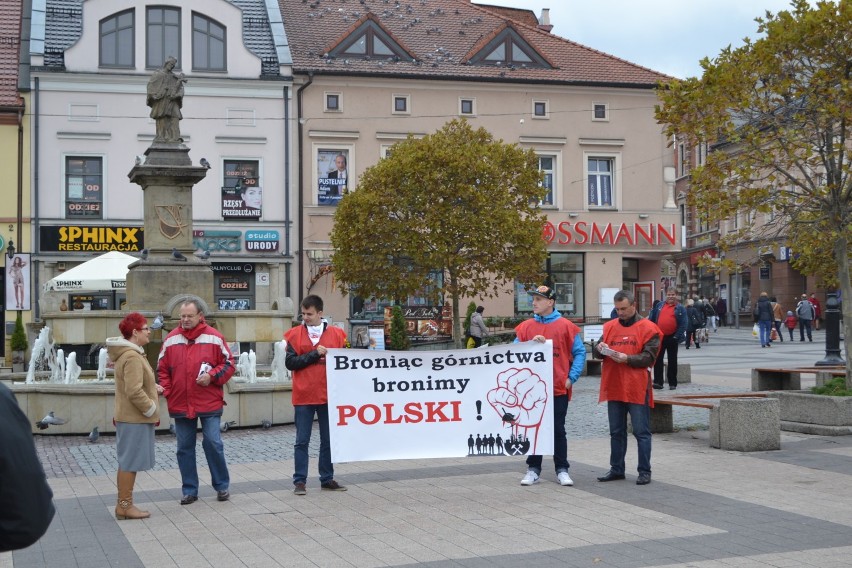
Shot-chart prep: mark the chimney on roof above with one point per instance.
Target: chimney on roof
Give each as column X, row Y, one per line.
column 544, row 20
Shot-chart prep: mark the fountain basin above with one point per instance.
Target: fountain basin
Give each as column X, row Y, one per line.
column 86, row 404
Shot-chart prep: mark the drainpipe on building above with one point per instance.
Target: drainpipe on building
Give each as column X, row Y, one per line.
column 35, row 211
column 301, row 231
column 288, row 222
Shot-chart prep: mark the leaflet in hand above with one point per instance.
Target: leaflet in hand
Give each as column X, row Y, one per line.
column 608, row 351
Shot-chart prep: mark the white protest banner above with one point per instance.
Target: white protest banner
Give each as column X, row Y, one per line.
column 386, row 405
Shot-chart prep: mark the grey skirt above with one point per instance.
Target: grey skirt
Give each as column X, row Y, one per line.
column 134, row 444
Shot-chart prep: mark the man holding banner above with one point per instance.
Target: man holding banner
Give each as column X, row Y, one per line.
column 629, row 346
column 307, row 346
column 569, row 357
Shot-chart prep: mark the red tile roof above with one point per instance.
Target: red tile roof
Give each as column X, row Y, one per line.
column 441, row 35
column 10, row 46
column 522, row 15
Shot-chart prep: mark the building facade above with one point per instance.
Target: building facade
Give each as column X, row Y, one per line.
column 369, row 74
column 91, row 124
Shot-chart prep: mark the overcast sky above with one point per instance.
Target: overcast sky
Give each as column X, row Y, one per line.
column 670, row 36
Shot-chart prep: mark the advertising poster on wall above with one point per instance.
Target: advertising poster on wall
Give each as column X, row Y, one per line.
column 333, row 174
column 242, row 196
column 18, row 278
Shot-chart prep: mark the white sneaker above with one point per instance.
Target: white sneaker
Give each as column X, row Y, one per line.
column 530, row 478
column 564, row 478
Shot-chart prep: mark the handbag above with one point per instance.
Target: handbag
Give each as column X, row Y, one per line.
column 755, row 331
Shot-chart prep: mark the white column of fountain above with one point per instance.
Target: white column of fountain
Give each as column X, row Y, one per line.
column 279, row 353
column 72, row 369
column 102, row 362
column 42, row 346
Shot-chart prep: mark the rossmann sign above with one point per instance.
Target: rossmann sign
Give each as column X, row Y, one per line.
column 83, row 238
column 639, row 235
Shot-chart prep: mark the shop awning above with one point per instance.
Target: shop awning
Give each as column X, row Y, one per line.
column 104, row 273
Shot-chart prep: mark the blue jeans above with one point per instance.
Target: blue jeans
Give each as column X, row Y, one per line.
column 640, row 417
column 765, row 327
column 304, row 423
column 185, row 430
column 560, row 438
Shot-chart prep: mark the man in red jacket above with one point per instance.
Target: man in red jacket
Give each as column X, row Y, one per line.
column 307, row 345
column 194, row 365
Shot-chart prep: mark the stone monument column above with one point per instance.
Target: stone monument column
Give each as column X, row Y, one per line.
column 167, row 176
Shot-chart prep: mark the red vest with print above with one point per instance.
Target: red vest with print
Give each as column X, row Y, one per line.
column 562, row 332
column 620, row 382
column 309, row 384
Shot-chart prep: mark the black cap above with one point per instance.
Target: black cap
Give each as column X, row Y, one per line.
column 543, row 291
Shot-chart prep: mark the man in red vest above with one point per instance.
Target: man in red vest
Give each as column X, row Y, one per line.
column 307, row 345
column 569, row 357
column 629, row 346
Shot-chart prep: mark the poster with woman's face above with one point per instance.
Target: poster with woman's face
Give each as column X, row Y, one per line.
column 242, row 196
column 18, row 278
column 333, row 175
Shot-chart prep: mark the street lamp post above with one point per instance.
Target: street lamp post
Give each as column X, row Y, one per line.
column 832, row 333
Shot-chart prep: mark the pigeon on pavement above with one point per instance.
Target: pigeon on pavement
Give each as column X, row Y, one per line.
column 265, row 424
column 48, row 420
column 225, row 426
column 94, row 435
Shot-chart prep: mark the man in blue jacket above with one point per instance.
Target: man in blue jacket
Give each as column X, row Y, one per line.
column 670, row 317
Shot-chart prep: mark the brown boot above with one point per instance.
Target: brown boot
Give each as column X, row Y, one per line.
column 124, row 507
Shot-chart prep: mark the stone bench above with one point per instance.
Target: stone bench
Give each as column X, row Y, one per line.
column 763, row 379
column 737, row 423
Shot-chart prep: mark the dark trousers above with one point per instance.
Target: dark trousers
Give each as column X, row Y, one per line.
column 805, row 325
column 560, row 438
column 668, row 348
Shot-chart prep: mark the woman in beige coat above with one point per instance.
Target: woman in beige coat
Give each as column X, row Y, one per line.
column 136, row 409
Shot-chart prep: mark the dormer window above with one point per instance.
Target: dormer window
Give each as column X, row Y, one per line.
column 509, row 48
column 370, row 41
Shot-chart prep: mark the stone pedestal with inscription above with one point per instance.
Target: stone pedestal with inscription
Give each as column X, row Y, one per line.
column 170, row 268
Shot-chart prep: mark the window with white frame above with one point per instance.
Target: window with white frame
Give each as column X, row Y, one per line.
column 701, row 154
column 332, row 102
column 682, row 159
column 162, row 36
column 600, row 112
column 540, row 109
column 467, row 107
column 547, row 166
column 208, row 44
column 600, row 173
column 116, row 40
column 84, row 187
column 401, row 104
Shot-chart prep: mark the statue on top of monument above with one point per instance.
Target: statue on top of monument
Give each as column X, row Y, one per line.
column 165, row 97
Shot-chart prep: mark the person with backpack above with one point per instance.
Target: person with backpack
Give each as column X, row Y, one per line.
column 695, row 321
column 806, row 314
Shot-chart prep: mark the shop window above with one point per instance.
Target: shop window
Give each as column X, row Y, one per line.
column 565, row 273
column 116, row 40
column 83, row 187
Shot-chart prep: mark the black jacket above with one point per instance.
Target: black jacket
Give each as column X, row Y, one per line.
column 26, row 501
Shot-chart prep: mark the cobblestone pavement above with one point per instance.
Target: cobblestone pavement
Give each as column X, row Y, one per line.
column 705, row 508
